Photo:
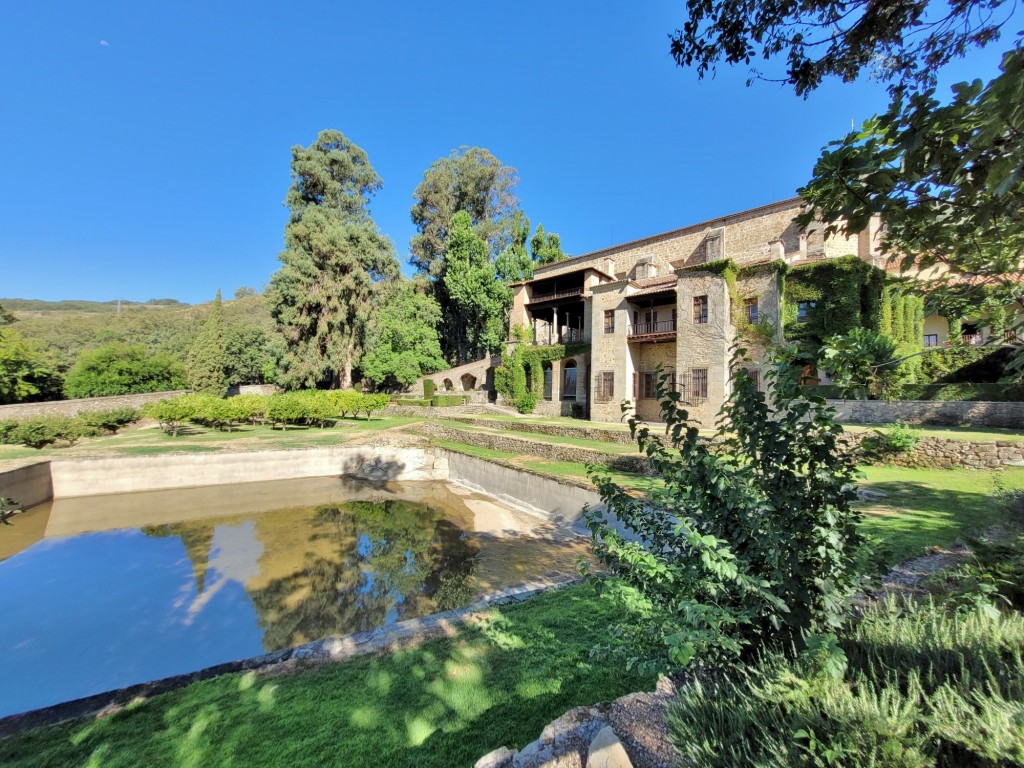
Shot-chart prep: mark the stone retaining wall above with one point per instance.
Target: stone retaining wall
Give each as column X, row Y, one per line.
column 941, row 453
column 445, row 411
column 553, row 451
column 979, row 414
column 617, row 436
column 19, row 411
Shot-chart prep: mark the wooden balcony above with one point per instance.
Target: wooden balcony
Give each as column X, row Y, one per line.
column 663, row 330
column 572, row 293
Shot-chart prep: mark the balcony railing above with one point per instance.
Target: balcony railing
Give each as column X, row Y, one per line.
column 567, row 336
column 571, row 293
column 971, row 338
column 637, row 330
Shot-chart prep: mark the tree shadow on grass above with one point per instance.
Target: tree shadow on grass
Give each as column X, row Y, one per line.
column 914, row 516
column 444, row 703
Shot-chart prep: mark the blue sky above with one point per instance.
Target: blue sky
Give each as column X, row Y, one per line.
column 154, row 163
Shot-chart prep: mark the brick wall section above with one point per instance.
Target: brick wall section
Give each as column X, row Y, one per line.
column 978, row 414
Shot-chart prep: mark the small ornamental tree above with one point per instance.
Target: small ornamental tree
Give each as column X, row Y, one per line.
column 862, row 363
column 752, row 540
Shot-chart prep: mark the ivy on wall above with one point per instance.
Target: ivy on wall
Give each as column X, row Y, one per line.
column 520, row 377
column 846, row 293
column 760, row 333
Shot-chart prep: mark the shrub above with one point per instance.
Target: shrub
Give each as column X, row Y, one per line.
column 285, row 408
column 41, row 431
column 109, row 421
column 119, row 369
column 251, row 408
column 347, row 401
column 7, row 430
column 749, row 541
column 899, row 438
column 443, row 401
column 370, row 403
column 907, row 687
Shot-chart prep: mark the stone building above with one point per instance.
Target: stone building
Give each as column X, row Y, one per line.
column 679, row 300
column 668, row 300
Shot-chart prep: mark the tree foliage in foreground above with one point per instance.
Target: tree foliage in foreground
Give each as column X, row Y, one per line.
column 322, row 297
column 947, row 180
column 118, row 369
column 402, row 343
column 903, row 43
column 751, row 541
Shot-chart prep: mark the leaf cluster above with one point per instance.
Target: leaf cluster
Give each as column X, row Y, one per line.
column 751, row 540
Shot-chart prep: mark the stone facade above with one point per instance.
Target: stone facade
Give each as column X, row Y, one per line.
column 646, row 306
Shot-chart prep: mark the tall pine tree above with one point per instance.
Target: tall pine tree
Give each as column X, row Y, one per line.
column 334, row 256
column 207, row 357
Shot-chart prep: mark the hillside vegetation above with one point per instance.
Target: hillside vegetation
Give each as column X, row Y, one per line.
column 66, row 328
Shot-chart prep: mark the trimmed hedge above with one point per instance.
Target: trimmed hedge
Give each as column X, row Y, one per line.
column 411, row 401
column 442, row 401
column 306, row 407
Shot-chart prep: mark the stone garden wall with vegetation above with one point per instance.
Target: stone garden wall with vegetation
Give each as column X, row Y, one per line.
column 18, row 411
column 978, row 414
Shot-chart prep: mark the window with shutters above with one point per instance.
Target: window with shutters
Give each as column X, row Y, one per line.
column 700, row 310
column 713, row 247
column 755, row 377
column 931, row 339
column 604, row 384
column 750, row 310
column 609, row 321
column 649, row 386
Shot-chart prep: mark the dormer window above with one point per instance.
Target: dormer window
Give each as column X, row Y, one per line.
column 645, row 268
column 713, row 246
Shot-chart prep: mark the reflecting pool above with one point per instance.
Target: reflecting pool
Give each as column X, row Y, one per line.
column 103, row 592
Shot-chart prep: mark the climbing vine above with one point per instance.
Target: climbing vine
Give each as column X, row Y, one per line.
column 843, row 294
column 520, row 377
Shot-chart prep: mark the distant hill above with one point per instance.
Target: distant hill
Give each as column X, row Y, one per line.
column 37, row 305
column 65, row 328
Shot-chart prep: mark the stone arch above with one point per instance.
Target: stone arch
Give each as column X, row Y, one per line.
column 468, row 382
column 447, row 384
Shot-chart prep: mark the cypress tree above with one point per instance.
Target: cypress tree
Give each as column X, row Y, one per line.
column 207, row 357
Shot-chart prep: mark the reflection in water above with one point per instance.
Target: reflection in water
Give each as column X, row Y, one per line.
column 183, row 591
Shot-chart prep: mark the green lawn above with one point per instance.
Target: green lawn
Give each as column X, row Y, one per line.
column 976, row 434
column 930, row 507
column 443, row 704
column 193, row 438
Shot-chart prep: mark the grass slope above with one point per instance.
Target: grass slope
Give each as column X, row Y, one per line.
column 443, row 704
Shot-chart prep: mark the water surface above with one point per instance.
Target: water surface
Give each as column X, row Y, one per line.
column 102, row 592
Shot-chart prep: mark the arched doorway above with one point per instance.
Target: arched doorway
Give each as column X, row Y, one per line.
column 448, row 386
column 468, row 382
column 548, row 380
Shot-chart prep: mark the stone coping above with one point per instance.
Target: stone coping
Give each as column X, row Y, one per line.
column 403, row 634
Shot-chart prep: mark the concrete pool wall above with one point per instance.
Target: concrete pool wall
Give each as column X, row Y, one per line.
column 559, row 502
